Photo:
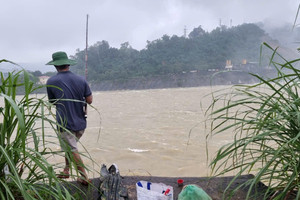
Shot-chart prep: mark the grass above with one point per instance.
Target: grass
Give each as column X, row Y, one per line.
column 25, row 172
column 265, row 120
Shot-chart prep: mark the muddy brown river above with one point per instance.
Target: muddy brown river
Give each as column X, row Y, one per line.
column 158, row 132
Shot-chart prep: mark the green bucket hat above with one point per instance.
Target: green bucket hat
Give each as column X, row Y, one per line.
column 61, row 58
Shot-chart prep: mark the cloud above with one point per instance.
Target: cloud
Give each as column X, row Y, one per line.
column 31, row 30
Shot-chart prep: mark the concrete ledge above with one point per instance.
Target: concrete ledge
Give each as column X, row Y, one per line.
column 213, row 186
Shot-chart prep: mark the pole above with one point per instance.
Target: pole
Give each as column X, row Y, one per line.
column 86, row 46
column 86, row 59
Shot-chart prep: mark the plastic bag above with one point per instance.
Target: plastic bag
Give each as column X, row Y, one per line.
column 191, row 192
column 153, row 191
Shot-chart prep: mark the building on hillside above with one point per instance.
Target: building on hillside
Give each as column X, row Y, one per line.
column 245, row 66
column 43, row 79
column 228, row 65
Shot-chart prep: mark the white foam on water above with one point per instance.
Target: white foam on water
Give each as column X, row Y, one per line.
column 138, row 150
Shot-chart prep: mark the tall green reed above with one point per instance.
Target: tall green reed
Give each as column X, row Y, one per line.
column 25, row 172
column 265, row 120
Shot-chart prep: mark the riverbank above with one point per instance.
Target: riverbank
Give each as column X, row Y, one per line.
column 187, row 79
column 214, row 187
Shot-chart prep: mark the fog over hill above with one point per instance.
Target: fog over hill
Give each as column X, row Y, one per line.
column 287, row 34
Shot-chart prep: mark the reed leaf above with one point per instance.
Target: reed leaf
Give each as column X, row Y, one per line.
column 24, row 170
column 265, row 120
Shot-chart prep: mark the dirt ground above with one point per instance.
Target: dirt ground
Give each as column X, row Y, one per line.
column 214, row 187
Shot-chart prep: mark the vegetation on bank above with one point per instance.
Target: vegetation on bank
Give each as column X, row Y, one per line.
column 199, row 51
column 264, row 118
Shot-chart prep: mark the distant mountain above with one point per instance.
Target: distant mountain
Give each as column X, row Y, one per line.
column 38, row 66
column 8, row 67
column 201, row 51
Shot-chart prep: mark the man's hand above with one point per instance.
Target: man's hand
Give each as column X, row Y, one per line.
column 89, row 99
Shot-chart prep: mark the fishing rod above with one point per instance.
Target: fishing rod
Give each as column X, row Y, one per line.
column 86, row 46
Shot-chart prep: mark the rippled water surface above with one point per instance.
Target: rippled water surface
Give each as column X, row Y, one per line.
column 157, row 132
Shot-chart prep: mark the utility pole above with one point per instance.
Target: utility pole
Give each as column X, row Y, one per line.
column 86, row 59
column 184, row 32
column 86, row 46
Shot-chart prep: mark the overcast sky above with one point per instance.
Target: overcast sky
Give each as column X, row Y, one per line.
column 31, row 30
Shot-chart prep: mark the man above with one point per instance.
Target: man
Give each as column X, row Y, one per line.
column 68, row 92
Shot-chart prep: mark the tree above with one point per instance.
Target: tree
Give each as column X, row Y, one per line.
column 125, row 45
column 37, row 73
column 196, row 33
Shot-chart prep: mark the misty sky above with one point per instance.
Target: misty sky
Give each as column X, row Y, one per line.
column 31, row 30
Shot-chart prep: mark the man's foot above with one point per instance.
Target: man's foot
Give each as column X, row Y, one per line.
column 84, row 181
column 64, row 174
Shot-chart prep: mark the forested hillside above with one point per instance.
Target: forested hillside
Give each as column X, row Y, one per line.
column 199, row 51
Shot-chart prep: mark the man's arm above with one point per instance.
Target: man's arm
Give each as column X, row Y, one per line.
column 89, row 99
column 50, row 95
